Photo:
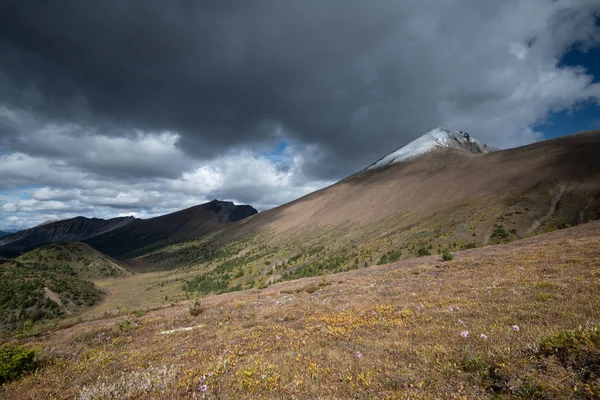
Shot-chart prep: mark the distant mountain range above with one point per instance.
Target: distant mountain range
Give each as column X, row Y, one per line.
column 3, row 233
column 119, row 236
column 191, row 223
column 68, row 230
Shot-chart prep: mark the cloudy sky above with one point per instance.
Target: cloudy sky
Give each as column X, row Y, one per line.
column 141, row 107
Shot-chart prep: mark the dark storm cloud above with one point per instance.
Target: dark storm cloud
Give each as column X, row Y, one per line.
column 353, row 76
column 217, row 72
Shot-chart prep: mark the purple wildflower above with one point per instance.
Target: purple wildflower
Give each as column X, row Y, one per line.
column 516, row 328
column 483, row 336
column 358, row 355
column 450, row 308
column 460, row 321
column 464, row 334
column 203, row 388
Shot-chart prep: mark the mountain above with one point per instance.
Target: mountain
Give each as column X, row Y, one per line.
column 456, row 193
column 191, row 223
column 69, row 230
column 2, row 234
column 458, row 190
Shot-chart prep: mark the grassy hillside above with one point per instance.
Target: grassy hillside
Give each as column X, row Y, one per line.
column 31, row 293
column 51, row 282
column 85, row 261
column 514, row 321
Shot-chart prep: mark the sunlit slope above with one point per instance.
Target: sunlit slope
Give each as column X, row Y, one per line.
column 444, row 198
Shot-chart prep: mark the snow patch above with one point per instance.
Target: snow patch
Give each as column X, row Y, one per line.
column 435, row 139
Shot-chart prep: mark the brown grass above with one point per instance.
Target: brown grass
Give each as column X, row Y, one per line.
column 302, row 339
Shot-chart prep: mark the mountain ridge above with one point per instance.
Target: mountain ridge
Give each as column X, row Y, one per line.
column 189, row 223
column 82, row 229
column 68, row 230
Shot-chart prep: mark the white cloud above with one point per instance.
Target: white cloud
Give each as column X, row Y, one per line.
column 9, row 207
column 239, row 176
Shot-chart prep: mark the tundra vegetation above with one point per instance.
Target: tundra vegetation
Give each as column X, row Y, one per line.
column 517, row 320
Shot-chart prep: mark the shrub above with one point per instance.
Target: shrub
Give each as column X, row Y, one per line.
column 15, row 361
column 500, row 232
column 196, row 308
column 577, row 349
column 447, row 254
column 423, row 251
column 390, row 257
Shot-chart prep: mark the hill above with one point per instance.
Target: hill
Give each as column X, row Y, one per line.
column 85, row 261
column 194, row 222
column 51, row 282
column 455, row 197
column 511, row 321
column 69, row 230
column 32, row 293
column 2, row 233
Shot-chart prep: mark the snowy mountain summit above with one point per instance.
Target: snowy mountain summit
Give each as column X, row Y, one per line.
column 439, row 138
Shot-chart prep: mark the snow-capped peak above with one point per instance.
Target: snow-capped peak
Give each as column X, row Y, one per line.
column 435, row 139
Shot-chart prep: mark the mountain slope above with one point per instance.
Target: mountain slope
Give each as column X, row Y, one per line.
column 2, row 233
column 563, row 170
column 444, row 197
column 181, row 225
column 69, row 230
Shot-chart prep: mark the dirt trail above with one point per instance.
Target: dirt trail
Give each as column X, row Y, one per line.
column 55, row 298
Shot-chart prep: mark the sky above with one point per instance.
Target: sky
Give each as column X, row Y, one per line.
column 144, row 107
